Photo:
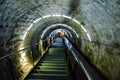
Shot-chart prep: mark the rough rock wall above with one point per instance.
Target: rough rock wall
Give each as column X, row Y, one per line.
column 102, row 20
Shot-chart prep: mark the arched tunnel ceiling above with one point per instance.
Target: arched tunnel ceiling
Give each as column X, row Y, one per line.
column 27, row 10
column 47, row 31
column 65, row 32
column 90, row 13
column 99, row 19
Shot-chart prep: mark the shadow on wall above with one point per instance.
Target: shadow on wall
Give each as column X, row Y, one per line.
column 105, row 58
column 18, row 65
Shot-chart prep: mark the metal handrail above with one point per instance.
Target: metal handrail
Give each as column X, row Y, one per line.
column 79, row 59
column 8, row 55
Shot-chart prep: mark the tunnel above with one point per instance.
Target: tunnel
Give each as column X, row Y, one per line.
column 80, row 39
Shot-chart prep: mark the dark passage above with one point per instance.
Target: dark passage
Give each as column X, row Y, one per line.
column 53, row 65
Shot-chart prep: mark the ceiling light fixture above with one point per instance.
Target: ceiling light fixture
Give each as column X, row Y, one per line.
column 89, row 37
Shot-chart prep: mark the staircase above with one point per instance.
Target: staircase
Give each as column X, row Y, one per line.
column 52, row 66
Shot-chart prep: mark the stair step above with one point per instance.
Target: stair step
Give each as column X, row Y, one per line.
column 53, row 59
column 48, row 76
column 39, row 79
column 56, row 51
column 36, row 74
column 49, row 71
column 53, row 55
column 46, row 61
column 50, row 67
column 52, row 64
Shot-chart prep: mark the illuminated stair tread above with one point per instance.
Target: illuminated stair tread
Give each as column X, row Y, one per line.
column 52, row 66
column 49, row 71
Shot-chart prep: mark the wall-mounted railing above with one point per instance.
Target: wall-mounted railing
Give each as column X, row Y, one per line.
column 17, row 60
column 79, row 68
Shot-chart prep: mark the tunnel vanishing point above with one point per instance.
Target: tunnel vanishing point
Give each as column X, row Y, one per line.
column 31, row 29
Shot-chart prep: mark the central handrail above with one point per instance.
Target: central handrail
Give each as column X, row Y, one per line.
column 8, row 55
